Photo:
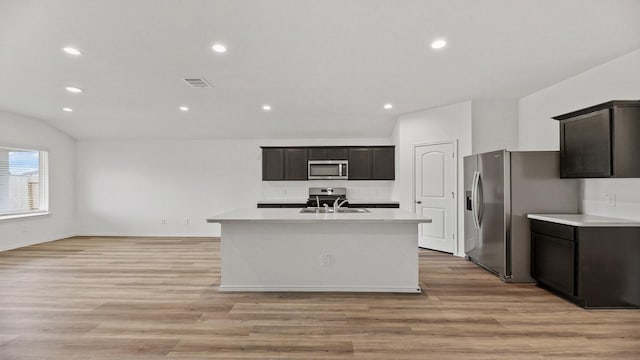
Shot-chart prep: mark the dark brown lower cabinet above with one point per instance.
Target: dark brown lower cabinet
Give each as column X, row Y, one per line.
column 554, row 263
column 281, row 205
column 594, row 267
column 375, row 205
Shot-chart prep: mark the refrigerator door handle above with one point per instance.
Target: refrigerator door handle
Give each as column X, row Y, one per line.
column 474, row 199
column 479, row 200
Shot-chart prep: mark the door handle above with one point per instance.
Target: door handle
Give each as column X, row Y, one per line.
column 474, row 199
column 479, row 200
column 418, row 202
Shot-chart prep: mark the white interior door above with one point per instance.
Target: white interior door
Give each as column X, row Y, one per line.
column 435, row 190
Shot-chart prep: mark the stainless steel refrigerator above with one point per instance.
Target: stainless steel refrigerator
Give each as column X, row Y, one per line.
column 501, row 188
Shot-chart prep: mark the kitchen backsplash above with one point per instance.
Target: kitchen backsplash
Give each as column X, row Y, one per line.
column 611, row 197
column 299, row 190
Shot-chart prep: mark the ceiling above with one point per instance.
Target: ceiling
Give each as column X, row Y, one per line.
column 326, row 67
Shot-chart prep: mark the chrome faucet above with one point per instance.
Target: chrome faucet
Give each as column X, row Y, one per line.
column 337, row 203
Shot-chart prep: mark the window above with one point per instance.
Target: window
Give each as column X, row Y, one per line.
column 24, row 181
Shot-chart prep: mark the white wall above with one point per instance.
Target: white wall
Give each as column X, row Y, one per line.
column 614, row 80
column 439, row 124
column 494, row 125
column 127, row 187
column 28, row 132
column 356, row 190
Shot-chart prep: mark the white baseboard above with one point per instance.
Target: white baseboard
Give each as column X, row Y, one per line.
column 35, row 242
column 147, row 235
column 413, row 290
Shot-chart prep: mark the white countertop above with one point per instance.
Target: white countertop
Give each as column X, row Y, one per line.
column 584, row 220
column 288, row 215
column 304, row 201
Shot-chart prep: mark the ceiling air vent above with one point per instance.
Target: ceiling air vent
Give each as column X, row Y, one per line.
column 198, row 82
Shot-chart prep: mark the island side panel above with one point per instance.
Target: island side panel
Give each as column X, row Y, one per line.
column 319, row 256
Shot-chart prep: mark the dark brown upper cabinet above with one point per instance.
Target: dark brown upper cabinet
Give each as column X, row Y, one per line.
column 383, row 163
column 272, row 164
column 328, row 153
column 601, row 141
column 337, row 153
column 372, row 163
column 365, row 162
column 360, row 164
column 284, row 164
column 586, row 145
column 295, row 164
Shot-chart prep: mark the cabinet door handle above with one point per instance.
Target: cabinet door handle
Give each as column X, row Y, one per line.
column 474, row 199
column 418, row 202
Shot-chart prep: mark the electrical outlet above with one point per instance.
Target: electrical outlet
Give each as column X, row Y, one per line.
column 325, row 259
column 611, row 199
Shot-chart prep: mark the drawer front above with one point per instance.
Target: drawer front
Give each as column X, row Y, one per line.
column 554, row 262
column 552, row 229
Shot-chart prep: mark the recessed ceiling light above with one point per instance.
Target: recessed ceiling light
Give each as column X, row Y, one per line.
column 219, row 48
column 72, row 51
column 67, row 109
column 74, row 90
column 388, row 106
column 184, row 108
column 438, row 43
column 266, row 107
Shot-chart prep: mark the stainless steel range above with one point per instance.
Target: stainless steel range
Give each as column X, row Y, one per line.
column 318, row 197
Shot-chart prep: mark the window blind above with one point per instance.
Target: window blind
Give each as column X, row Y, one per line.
column 24, row 186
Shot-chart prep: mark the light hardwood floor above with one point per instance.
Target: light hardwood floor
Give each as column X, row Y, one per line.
column 156, row 298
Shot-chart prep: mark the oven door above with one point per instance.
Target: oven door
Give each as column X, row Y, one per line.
column 328, row 169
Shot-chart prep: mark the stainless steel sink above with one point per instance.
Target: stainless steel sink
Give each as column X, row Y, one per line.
column 330, row 210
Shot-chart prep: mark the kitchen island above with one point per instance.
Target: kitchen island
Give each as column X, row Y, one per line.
column 287, row 250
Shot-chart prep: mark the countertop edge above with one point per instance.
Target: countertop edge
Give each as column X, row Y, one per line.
column 287, row 215
column 350, row 201
column 301, row 221
column 604, row 222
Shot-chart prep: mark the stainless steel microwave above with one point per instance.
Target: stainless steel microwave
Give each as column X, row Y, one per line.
column 328, row 169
